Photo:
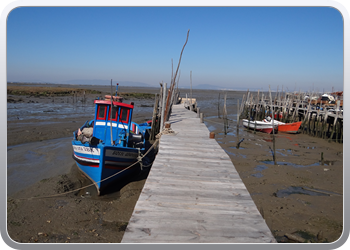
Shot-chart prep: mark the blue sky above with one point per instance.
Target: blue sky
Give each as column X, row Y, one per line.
column 230, row 47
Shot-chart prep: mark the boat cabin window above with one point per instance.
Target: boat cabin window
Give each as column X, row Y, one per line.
column 101, row 114
column 114, row 111
column 124, row 115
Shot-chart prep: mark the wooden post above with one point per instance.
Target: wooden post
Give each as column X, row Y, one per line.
column 241, row 108
column 154, row 117
column 238, row 114
column 256, row 107
column 167, row 106
column 160, row 96
column 225, row 114
column 219, row 106
column 335, row 119
column 303, row 125
column 163, row 107
column 201, row 117
column 191, row 108
column 309, row 122
column 324, row 124
column 273, row 136
column 198, row 110
column 318, row 122
column 211, row 135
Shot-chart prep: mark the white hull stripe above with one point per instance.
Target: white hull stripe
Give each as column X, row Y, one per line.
column 86, row 159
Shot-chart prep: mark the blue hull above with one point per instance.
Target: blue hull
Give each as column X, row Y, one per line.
column 105, row 165
column 107, row 148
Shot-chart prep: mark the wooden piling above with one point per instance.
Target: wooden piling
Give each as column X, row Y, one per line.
column 163, row 107
column 238, row 113
column 154, row 117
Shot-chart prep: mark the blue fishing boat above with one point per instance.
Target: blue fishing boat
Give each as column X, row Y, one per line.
column 110, row 147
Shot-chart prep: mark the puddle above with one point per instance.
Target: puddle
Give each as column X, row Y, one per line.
column 231, row 153
column 280, row 153
column 259, row 168
column 237, row 148
column 258, row 175
column 299, row 190
column 329, row 163
column 244, row 156
column 229, row 133
column 210, row 128
column 292, row 164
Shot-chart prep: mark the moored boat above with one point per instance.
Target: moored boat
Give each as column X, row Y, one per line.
column 291, row 128
column 261, row 126
column 110, row 147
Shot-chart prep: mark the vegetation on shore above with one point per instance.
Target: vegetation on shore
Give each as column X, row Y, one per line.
column 47, row 91
column 136, row 95
column 64, row 91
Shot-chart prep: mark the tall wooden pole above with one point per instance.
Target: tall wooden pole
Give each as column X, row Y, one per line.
column 163, row 107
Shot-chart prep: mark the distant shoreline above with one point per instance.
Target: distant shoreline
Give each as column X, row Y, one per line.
column 126, row 85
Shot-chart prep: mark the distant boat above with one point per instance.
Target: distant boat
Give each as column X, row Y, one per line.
column 261, row 126
column 110, row 147
column 291, row 128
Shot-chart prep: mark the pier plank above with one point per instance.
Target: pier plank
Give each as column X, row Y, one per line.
column 193, row 193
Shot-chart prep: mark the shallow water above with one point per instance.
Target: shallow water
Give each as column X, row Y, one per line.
column 44, row 111
column 297, row 190
column 259, row 168
column 292, row 164
column 31, row 162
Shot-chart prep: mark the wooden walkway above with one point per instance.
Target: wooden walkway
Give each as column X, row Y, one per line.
column 193, row 193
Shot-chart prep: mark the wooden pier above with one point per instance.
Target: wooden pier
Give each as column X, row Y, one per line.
column 319, row 119
column 193, row 193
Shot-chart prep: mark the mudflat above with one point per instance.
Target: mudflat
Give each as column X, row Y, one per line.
column 301, row 194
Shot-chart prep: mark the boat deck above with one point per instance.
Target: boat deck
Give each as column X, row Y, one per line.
column 193, row 193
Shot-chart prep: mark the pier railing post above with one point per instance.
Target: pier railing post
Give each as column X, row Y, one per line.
column 198, row 109
column 201, row 117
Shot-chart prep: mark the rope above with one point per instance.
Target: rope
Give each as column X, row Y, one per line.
column 165, row 131
column 55, row 195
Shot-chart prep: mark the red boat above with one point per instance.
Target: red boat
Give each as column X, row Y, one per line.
column 291, row 128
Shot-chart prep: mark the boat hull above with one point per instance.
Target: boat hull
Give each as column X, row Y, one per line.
column 291, row 128
column 264, row 127
column 105, row 165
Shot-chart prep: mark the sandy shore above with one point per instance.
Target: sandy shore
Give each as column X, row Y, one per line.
column 281, row 192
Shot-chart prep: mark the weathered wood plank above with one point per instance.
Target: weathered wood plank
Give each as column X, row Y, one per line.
column 193, row 193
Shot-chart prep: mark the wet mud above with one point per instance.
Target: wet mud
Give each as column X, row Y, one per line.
column 301, row 194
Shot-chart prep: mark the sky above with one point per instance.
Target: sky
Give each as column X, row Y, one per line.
column 297, row 48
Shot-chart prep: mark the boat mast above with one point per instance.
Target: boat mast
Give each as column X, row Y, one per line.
column 110, row 117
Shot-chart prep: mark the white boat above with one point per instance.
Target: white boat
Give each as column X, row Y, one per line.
column 262, row 126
